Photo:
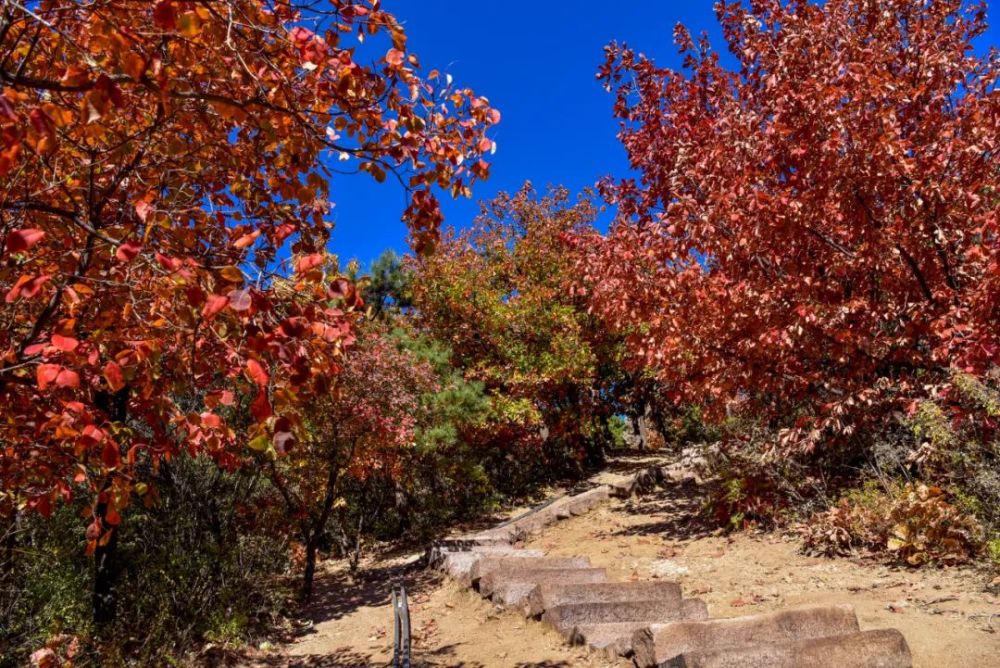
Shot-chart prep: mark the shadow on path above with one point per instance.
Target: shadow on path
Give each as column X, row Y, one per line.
column 338, row 594
column 673, row 512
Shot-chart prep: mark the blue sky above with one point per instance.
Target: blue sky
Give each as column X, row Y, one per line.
column 536, row 63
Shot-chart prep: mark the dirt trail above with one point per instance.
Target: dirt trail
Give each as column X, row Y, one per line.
column 944, row 614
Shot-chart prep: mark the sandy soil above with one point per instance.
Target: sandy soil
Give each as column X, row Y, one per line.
column 944, row 614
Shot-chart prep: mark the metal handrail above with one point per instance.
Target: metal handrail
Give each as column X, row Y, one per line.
column 401, row 628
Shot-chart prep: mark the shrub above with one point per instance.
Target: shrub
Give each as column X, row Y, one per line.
column 911, row 524
column 199, row 565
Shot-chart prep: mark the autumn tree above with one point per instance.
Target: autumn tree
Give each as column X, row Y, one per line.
column 158, row 161
column 812, row 233
column 357, row 434
column 499, row 294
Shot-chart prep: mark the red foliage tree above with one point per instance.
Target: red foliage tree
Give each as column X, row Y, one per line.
column 357, row 431
column 157, row 159
column 815, row 231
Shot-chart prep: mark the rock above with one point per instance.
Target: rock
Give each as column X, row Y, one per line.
column 665, row 568
column 567, row 616
column 546, row 596
column 868, row 649
column 615, row 638
column 510, row 563
column 513, row 586
column 660, row 644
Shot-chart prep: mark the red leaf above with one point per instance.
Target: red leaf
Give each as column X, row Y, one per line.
column 168, row 263
column 261, row 407
column 110, row 456
column 67, row 344
column 164, row 15
column 395, row 57
column 307, row 262
column 67, row 378
column 27, row 287
column 240, row 300
column 94, row 530
column 42, row 123
column 213, row 304
column 257, row 373
column 284, row 442
column 143, row 209
column 46, row 374
column 22, row 240
column 128, row 251
column 53, row 374
column 112, row 517
column 113, row 375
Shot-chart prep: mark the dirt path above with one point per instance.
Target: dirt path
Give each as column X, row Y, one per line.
column 938, row 611
column 943, row 613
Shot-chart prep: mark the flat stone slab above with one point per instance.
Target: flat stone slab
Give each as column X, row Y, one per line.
column 459, row 564
column 511, row 563
column 545, row 596
column 613, row 638
column 868, row 649
column 660, row 644
column 509, row 587
column 489, row 538
column 567, row 616
column 439, row 553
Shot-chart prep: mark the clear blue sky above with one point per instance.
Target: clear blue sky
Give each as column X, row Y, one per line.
column 536, row 64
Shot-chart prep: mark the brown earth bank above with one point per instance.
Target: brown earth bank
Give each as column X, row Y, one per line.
column 948, row 617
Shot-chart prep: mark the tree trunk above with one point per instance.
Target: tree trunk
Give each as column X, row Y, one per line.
column 106, row 570
column 309, row 575
column 104, row 603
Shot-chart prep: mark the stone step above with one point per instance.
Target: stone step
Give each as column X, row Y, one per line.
column 568, row 616
column 662, row 643
column 459, row 564
column 868, row 649
column 438, row 553
column 486, row 565
column 489, row 538
column 545, row 596
column 510, row 587
column 584, row 502
column 502, row 535
column 614, row 639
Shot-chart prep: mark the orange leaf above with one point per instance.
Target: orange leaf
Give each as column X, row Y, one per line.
column 46, row 374
column 247, row 239
column 257, row 373
column 113, row 375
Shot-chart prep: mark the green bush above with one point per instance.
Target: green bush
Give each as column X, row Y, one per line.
column 202, row 563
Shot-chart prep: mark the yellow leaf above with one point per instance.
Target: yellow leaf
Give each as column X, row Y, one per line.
column 232, row 274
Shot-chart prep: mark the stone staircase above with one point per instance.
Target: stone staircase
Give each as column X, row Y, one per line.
column 651, row 622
